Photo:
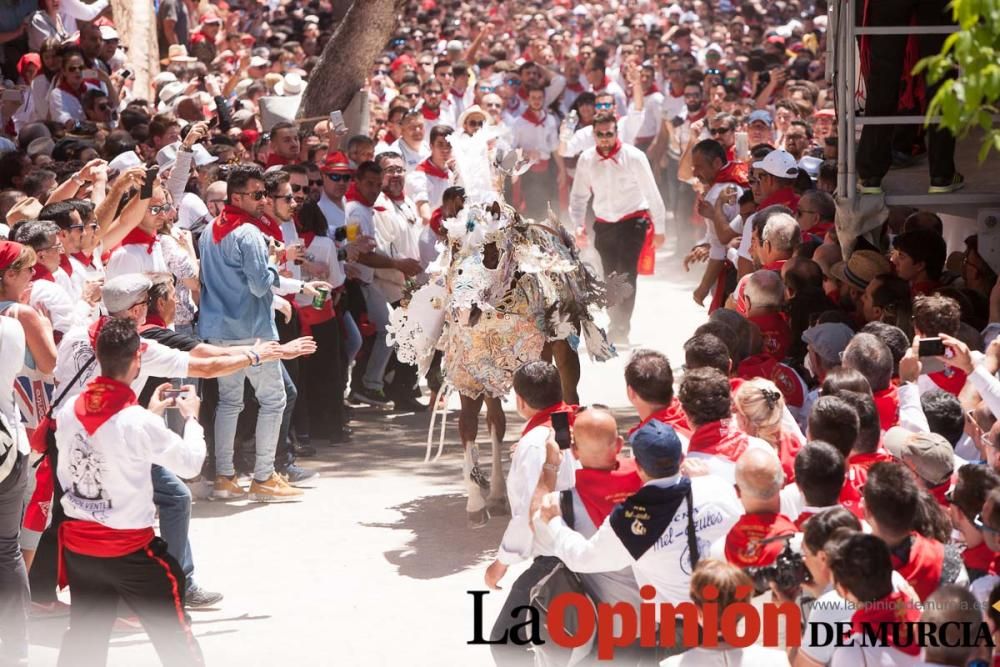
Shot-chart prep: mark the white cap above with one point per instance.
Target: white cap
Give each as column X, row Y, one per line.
column 171, row 92
column 202, row 157
column 167, row 155
column 810, row 165
column 108, row 33
column 164, row 78
column 257, row 61
column 124, row 161
column 778, row 163
column 455, row 45
column 292, row 84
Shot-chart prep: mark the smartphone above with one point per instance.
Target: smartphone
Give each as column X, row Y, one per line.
column 90, row 74
column 127, row 74
column 172, row 395
column 560, row 424
column 213, row 122
column 930, row 347
column 742, row 146
column 147, row 186
column 337, row 123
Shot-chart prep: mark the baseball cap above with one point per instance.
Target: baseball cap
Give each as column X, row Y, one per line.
column 124, row 161
column 657, row 449
column 929, row 454
column 258, row 61
column 762, row 115
column 124, row 291
column 41, row 146
column 108, row 33
column 337, row 163
column 455, row 45
column 778, row 163
column 828, row 340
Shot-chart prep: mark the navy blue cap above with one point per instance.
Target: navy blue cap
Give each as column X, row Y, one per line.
column 657, row 449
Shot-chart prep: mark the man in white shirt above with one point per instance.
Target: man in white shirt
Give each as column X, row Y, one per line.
column 536, row 133
column 426, row 184
column 337, row 175
column 538, row 391
column 601, row 83
column 652, row 108
column 626, row 202
column 411, row 143
column 108, row 444
column 140, row 251
column 661, row 531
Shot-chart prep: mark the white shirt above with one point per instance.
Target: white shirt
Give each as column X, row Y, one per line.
column 621, row 185
column 75, row 351
column 192, row 210
column 64, row 107
column 716, row 249
column 322, row 251
column 421, row 186
column 12, row 345
column 543, row 138
column 84, row 272
column 334, row 214
column 411, row 157
column 652, row 115
column 519, row 542
column 871, row 656
column 445, row 117
column 106, row 474
column 64, row 311
column 135, row 258
column 397, row 231
column 362, row 215
column 583, row 138
column 666, row 565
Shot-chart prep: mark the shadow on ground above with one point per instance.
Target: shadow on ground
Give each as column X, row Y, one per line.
column 441, row 544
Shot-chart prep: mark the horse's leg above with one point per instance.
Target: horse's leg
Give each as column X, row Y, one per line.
column 472, row 476
column 497, row 422
column 568, row 362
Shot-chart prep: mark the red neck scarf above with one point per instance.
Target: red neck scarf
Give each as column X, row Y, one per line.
column 544, row 416
column 920, row 561
column 140, row 237
column 75, row 92
column 652, row 89
column 389, row 137
column 576, row 87
column 153, row 322
column 887, row 402
column 776, row 265
column 604, row 84
column 436, row 219
column 612, row 154
column 734, row 172
column 784, row 196
column 83, row 258
column 275, row 160
column 982, row 558
column 744, row 546
column 601, row 490
column 718, row 439
column 232, row 217
column 431, row 169
column 895, row 608
column 858, row 466
column 42, row 273
column 533, row 118
column 923, row 287
column 775, row 334
column 65, row 265
column 102, row 399
column 672, row 415
column 94, row 330
column 354, row 194
column 952, row 380
column 430, row 114
column 522, row 92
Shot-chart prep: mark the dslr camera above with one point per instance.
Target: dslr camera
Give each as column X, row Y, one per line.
column 788, row 571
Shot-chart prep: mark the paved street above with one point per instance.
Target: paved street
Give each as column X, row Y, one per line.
column 372, row 568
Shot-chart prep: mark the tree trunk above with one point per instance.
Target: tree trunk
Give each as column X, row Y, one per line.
column 136, row 26
column 348, row 57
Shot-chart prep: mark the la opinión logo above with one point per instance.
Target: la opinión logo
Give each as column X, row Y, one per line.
column 740, row 624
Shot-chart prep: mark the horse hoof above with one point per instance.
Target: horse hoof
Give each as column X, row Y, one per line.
column 498, row 506
column 477, row 519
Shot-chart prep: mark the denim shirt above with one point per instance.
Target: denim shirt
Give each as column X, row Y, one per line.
column 236, row 282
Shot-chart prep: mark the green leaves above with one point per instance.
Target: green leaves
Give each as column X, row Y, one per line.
column 968, row 71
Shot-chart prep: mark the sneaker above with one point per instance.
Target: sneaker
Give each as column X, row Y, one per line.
column 226, row 488
column 53, row 609
column 870, row 186
column 198, row 598
column 477, row 519
column 940, row 186
column 274, row 489
column 375, row 397
column 408, row 404
column 294, row 475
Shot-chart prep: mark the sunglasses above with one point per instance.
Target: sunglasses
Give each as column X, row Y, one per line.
column 474, row 123
column 256, row 196
column 74, row 68
column 978, row 523
column 337, row 178
column 513, row 82
column 716, row 131
column 300, row 188
column 431, row 91
column 487, row 89
column 494, row 106
column 287, row 198
column 314, row 183
column 411, row 96
column 604, row 106
column 162, row 208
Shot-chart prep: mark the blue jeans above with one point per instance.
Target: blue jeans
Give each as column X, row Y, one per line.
column 352, row 340
column 14, row 595
column 269, row 390
column 378, row 315
column 284, row 456
column 173, row 498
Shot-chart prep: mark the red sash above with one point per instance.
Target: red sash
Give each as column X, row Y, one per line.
column 718, row 439
column 84, row 259
column 65, row 264
column 894, row 608
column 544, row 416
column 672, row 415
column 275, row 160
column 923, row 569
column 232, row 217
column 95, row 539
column 924, row 287
column 601, row 490
column 788, row 449
column 776, row 265
column 982, row 558
column 102, row 399
column 887, row 402
column 744, row 546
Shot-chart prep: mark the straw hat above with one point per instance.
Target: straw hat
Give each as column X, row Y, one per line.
column 861, row 268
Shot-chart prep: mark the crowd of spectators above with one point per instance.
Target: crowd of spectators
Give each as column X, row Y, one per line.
column 235, row 246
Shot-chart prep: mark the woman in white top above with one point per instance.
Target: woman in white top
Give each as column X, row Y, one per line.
column 46, row 23
column 37, row 105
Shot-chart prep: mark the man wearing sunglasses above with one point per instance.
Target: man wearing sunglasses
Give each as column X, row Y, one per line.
column 337, row 174
column 626, row 202
column 140, row 251
column 604, row 103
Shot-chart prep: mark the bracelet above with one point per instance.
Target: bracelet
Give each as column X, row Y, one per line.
column 253, row 357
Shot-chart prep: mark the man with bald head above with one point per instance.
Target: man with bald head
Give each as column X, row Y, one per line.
column 759, row 479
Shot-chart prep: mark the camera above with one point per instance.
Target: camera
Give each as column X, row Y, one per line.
column 788, row 571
